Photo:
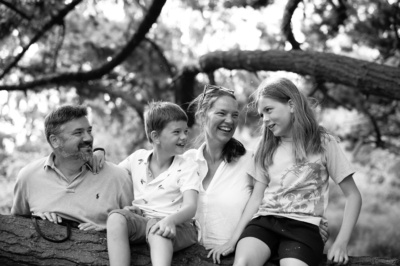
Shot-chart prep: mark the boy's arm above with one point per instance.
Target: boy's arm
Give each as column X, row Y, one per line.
column 167, row 226
column 338, row 251
column 251, row 208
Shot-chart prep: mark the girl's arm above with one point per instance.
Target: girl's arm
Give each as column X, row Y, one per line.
column 251, row 208
column 338, row 251
column 167, row 226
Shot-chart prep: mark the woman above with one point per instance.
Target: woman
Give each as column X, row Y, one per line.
column 226, row 170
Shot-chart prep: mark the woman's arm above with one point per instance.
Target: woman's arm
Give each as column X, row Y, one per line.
column 251, row 208
column 338, row 251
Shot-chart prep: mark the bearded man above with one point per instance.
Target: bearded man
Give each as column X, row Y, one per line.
column 62, row 185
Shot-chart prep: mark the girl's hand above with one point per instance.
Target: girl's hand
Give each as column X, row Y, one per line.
column 97, row 161
column 223, row 250
column 164, row 228
column 338, row 253
column 134, row 209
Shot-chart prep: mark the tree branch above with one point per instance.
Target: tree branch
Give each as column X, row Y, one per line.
column 56, row 19
column 16, row 10
column 71, row 77
column 367, row 77
column 160, row 52
column 286, row 26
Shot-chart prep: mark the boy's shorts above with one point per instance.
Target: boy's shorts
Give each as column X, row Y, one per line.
column 287, row 238
column 139, row 229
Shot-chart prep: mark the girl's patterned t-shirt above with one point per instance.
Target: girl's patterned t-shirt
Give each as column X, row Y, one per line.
column 300, row 191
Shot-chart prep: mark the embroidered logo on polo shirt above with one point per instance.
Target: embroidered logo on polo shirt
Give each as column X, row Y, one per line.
column 140, row 161
column 142, row 181
column 179, row 170
column 161, row 187
column 97, row 195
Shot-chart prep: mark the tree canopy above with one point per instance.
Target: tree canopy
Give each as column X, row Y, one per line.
column 128, row 52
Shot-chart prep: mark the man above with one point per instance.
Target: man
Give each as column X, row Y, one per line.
column 63, row 185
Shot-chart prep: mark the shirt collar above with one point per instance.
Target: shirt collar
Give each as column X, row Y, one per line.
column 200, row 152
column 50, row 163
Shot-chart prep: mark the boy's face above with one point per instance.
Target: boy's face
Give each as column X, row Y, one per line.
column 172, row 139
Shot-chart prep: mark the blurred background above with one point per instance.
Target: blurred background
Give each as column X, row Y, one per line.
column 117, row 55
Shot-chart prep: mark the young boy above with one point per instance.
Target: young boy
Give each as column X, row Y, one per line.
column 165, row 190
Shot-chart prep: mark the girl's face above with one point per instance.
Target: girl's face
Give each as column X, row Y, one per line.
column 276, row 116
column 222, row 119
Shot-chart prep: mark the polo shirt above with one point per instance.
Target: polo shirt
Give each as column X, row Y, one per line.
column 220, row 207
column 41, row 187
column 163, row 195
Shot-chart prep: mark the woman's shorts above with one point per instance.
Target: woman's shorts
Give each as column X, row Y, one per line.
column 287, row 238
column 139, row 229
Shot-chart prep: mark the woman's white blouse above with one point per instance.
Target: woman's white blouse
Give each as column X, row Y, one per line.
column 220, row 206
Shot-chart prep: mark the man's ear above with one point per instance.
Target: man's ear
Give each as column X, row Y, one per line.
column 291, row 105
column 54, row 141
column 154, row 137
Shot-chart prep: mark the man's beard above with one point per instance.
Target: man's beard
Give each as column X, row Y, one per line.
column 83, row 153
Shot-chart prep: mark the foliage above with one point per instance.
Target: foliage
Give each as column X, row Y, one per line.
column 93, row 33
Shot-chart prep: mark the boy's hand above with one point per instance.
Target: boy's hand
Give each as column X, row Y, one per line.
column 90, row 226
column 164, row 228
column 134, row 209
column 338, row 253
column 223, row 250
column 97, row 161
column 51, row 216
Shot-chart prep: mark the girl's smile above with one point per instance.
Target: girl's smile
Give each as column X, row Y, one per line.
column 276, row 116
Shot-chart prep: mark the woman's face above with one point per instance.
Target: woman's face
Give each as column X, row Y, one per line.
column 221, row 120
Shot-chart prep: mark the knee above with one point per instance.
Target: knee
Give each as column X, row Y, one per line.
column 240, row 261
column 116, row 222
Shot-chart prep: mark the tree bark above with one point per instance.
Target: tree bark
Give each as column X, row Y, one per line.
column 367, row 77
column 20, row 244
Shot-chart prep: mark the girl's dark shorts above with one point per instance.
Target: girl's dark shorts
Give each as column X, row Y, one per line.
column 287, row 238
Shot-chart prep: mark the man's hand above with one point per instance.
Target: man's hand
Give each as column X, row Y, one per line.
column 134, row 209
column 90, row 226
column 323, row 231
column 164, row 228
column 223, row 250
column 50, row 216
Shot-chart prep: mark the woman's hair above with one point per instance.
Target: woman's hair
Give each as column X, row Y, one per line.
column 307, row 135
column 204, row 102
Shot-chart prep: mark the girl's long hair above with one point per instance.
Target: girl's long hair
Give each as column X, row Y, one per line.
column 233, row 149
column 307, row 135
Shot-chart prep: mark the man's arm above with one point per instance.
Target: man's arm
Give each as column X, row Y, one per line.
column 20, row 203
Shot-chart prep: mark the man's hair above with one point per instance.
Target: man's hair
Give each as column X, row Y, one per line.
column 60, row 116
column 159, row 114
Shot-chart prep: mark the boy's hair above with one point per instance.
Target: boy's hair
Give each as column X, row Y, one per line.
column 159, row 114
column 306, row 133
column 60, row 116
column 204, row 102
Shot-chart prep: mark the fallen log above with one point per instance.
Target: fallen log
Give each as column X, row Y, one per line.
column 20, row 244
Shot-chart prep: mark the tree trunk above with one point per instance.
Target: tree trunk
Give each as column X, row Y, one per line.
column 20, row 244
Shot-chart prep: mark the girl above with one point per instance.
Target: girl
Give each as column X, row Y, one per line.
column 294, row 159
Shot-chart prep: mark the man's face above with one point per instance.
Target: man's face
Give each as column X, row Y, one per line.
column 75, row 140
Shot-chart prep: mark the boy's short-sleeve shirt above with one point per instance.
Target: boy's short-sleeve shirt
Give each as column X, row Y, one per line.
column 301, row 191
column 163, row 195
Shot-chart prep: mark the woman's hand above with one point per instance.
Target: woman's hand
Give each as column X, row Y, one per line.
column 90, row 226
column 323, row 230
column 223, row 250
